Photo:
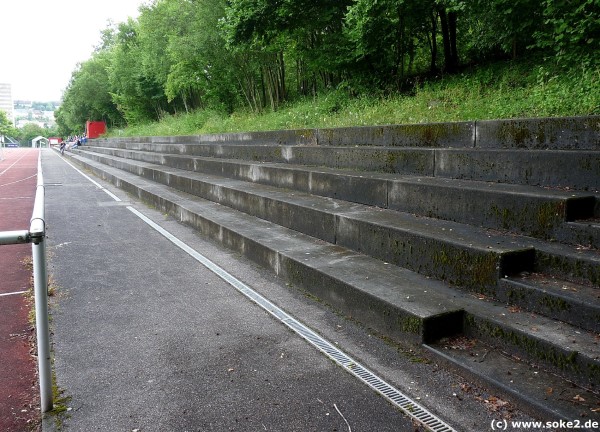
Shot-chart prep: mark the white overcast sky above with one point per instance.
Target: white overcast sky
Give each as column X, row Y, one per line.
column 41, row 41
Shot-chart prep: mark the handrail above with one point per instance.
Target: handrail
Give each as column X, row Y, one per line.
column 36, row 236
column 14, row 237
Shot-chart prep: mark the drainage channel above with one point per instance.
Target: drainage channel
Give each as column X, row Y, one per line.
column 389, row 392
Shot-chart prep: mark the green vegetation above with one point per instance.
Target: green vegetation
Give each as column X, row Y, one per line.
column 201, row 66
column 30, row 131
column 509, row 89
column 25, row 134
column 6, row 127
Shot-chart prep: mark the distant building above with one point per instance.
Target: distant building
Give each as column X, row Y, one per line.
column 21, row 123
column 6, row 101
column 40, row 141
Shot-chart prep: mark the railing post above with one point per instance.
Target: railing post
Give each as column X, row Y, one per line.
column 40, row 276
column 37, row 232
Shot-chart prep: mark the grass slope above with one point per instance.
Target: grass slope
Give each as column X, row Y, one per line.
column 501, row 90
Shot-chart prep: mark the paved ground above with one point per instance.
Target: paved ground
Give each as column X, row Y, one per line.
column 19, row 406
column 147, row 339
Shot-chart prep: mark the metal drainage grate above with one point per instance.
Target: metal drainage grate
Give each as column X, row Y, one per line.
column 393, row 395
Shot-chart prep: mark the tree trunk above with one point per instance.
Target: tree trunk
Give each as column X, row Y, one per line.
column 184, row 99
column 282, row 76
column 452, row 18
column 433, row 43
column 449, row 57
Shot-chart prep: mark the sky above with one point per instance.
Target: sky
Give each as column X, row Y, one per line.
column 41, row 41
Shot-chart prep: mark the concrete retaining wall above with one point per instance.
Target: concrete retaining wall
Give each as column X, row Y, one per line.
column 562, row 133
column 566, row 133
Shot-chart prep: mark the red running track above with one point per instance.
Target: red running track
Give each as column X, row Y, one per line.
column 19, row 389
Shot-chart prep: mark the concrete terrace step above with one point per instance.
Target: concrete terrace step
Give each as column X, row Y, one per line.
column 565, row 285
column 543, row 393
column 573, row 169
column 564, row 300
column 391, row 296
column 458, row 253
column 552, row 345
column 565, row 133
column 585, row 234
column 567, row 261
column 523, row 209
column 417, row 161
column 375, row 249
column 552, row 152
column 397, row 302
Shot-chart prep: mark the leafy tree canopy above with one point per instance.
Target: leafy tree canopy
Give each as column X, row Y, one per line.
column 226, row 55
column 6, row 127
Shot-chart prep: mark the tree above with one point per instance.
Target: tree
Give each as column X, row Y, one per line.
column 137, row 94
column 388, row 34
column 88, row 96
column 502, row 28
column 571, row 30
column 157, row 25
column 182, row 55
column 28, row 132
column 185, row 52
column 302, row 36
column 448, row 22
column 6, row 126
column 251, row 30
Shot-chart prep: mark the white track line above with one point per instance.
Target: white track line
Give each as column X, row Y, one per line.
column 12, row 293
column 14, row 163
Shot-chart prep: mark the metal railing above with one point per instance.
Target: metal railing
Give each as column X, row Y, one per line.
column 36, row 235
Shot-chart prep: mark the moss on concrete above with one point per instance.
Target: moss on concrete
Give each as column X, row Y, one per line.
column 409, row 324
column 539, row 221
column 516, row 295
column 477, row 271
column 554, row 304
column 566, row 361
column 567, row 266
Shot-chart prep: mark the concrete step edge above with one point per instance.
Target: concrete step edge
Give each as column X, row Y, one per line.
column 556, row 346
column 542, row 394
column 563, row 169
column 576, row 304
column 583, row 233
column 574, row 133
column 491, row 241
